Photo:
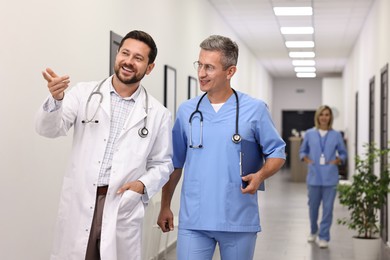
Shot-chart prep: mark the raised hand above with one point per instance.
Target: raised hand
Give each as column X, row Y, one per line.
column 55, row 83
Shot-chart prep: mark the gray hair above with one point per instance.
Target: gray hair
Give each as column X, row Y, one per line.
column 225, row 45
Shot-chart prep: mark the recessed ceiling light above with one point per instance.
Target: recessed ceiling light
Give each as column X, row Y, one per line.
column 297, row 30
column 286, row 11
column 299, row 44
column 301, row 54
column 303, row 62
column 305, row 69
column 306, row 75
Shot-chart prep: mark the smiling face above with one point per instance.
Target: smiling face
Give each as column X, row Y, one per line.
column 324, row 119
column 131, row 63
column 212, row 76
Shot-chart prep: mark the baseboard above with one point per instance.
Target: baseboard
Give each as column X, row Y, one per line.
column 385, row 251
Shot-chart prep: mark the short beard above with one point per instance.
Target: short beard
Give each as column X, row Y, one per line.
column 132, row 80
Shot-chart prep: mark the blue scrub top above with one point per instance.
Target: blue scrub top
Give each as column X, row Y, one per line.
column 211, row 198
column 332, row 145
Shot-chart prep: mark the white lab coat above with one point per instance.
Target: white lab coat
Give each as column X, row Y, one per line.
column 135, row 158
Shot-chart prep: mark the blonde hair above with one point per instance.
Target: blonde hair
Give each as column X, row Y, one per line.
column 317, row 115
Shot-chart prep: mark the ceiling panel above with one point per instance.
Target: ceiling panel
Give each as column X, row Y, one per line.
column 337, row 24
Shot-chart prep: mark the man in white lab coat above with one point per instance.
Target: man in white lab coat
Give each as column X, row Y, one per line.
column 121, row 155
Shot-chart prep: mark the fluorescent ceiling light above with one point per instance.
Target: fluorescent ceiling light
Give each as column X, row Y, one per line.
column 305, row 69
column 299, row 44
column 303, row 62
column 286, row 11
column 301, row 54
column 306, row 75
column 297, row 30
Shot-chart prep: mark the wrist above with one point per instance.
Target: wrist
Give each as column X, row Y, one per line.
column 59, row 97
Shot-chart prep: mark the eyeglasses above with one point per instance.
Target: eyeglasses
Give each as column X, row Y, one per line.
column 207, row 67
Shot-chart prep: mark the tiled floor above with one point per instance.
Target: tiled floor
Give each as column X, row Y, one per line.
column 285, row 226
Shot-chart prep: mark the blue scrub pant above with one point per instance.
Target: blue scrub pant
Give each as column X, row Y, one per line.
column 199, row 244
column 327, row 195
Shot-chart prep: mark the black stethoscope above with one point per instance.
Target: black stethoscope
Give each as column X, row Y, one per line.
column 236, row 138
column 142, row 132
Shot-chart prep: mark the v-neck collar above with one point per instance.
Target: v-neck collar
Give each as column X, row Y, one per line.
column 223, row 107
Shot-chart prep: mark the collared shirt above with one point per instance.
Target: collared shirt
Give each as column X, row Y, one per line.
column 120, row 111
column 52, row 105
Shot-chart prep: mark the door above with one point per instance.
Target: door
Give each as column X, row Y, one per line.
column 300, row 120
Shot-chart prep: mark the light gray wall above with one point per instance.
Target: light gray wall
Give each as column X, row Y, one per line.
column 72, row 37
column 333, row 96
column 369, row 55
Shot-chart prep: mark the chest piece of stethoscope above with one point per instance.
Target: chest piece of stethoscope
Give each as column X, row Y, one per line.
column 236, row 138
column 143, row 132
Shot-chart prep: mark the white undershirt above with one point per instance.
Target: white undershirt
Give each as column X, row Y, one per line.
column 322, row 132
column 217, row 106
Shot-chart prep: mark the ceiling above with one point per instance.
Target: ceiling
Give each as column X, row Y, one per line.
column 336, row 23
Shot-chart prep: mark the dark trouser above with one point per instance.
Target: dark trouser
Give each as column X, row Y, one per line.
column 93, row 248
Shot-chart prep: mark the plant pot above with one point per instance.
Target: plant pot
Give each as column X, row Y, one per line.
column 366, row 248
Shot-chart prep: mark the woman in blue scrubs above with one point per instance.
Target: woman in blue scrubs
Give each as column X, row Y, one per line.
column 323, row 149
column 214, row 207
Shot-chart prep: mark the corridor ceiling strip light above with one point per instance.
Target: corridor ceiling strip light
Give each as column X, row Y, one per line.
column 291, row 11
column 301, row 54
column 305, row 69
column 299, row 44
column 297, row 30
column 306, row 75
column 303, row 62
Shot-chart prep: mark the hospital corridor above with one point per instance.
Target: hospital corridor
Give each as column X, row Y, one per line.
column 285, row 226
column 115, row 99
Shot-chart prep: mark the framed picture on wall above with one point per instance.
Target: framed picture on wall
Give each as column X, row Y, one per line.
column 115, row 40
column 192, row 87
column 170, row 89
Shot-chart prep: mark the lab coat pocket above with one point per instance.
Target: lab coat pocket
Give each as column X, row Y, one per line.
column 241, row 209
column 131, row 209
column 129, row 226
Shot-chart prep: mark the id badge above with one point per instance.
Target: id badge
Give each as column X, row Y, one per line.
column 322, row 159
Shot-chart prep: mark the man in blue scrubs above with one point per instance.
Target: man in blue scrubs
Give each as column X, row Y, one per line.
column 214, row 207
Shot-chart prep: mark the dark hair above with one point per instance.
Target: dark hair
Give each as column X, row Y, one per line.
column 225, row 45
column 145, row 38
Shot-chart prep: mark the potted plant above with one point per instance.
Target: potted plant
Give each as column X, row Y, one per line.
column 364, row 197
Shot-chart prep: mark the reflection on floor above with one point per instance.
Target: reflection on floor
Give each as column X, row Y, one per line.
column 285, row 226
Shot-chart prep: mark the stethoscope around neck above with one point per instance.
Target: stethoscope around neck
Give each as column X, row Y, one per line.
column 142, row 132
column 236, row 138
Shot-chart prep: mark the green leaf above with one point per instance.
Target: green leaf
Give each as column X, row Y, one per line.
column 367, row 194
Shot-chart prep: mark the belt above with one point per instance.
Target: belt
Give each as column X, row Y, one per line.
column 102, row 190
